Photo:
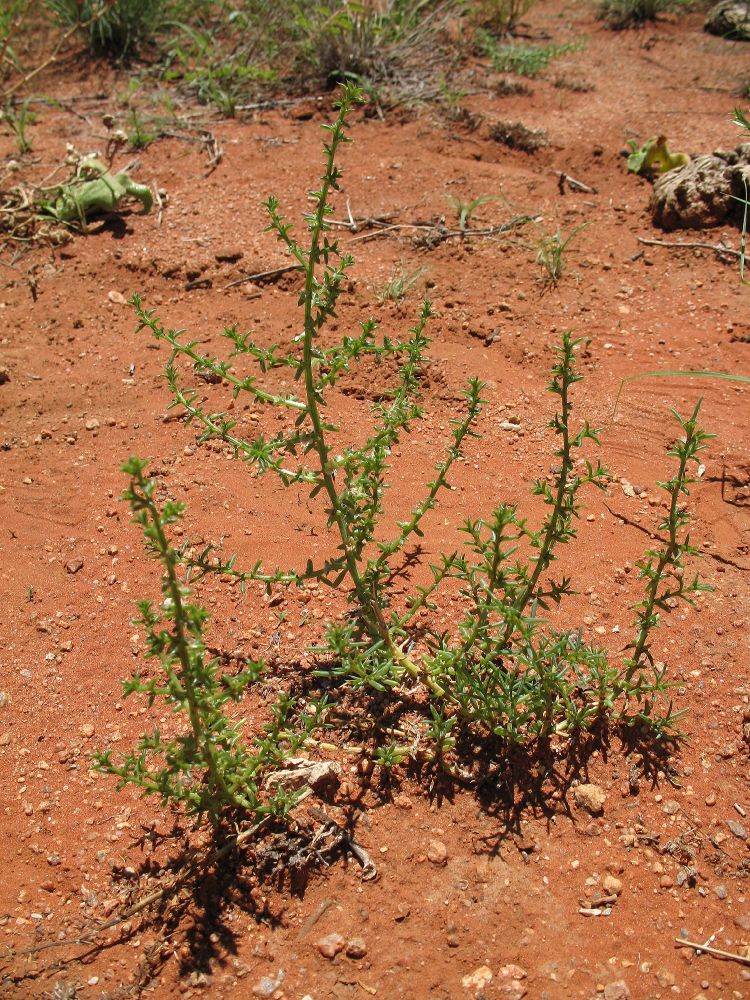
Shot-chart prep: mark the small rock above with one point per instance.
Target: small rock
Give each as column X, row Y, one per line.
column 711, row 799
column 591, row 798
column 86, row 730
column 478, row 979
column 671, row 807
column 737, row 829
column 721, row 891
column 611, row 885
column 665, row 978
column 729, row 19
column 74, row 565
column 512, row 972
column 330, row 945
column 402, row 802
column 356, row 948
column 437, row 852
column 267, row 986
column 617, row 990
column 92, row 424
column 512, row 990
column 4, row 374
column 117, row 297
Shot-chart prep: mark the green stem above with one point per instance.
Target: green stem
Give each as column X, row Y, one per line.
column 667, row 556
column 183, row 653
column 558, row 514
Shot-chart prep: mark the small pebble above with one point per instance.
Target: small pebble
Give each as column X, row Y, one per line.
column 477, row 980
column 356, row 948
column 591, row 798
column 437, row 852
column 665, row 978
column 617, row 990
column 330, row 945
column 611, row 885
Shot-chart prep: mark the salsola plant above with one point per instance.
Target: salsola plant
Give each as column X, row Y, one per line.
column 504, row 669
column 209, row 769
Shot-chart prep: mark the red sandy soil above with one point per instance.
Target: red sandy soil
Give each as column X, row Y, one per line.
column 520, row 858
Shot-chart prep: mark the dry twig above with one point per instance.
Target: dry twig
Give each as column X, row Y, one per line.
column 720, row 248
column 573, row 184
column 275, row 273
column 718, row 952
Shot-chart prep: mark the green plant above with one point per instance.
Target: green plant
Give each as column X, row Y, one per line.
column 504, row 669
column 465, row 209
column 223, row 59
column 399, row 283
column 663, row 569
column 502, row 16
column 206, row 769
column 357, row 40
column 12, row 15
column 551, row 251
column 139, row 135
column 391, row 756
column 95, row 189
column 653, row 157
column 525, row 60
column 115, row 28
column 18, row 117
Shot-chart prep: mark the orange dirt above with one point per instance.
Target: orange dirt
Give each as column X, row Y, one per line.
column 466, row 878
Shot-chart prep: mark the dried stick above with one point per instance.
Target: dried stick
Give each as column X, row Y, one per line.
column 572, row 183
column 744, row 959
column 313, row 918
column 720, row 248
column 447, row 234
column 275, row 273
column 369, row 869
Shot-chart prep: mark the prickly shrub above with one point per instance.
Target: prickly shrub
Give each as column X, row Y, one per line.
column 503, row 669
column 206, row 767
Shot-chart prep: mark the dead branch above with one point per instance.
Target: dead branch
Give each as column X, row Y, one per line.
column 720, row 248
column 275, row 273
column 718, row 952
column 573, row 184
column 438, row 234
